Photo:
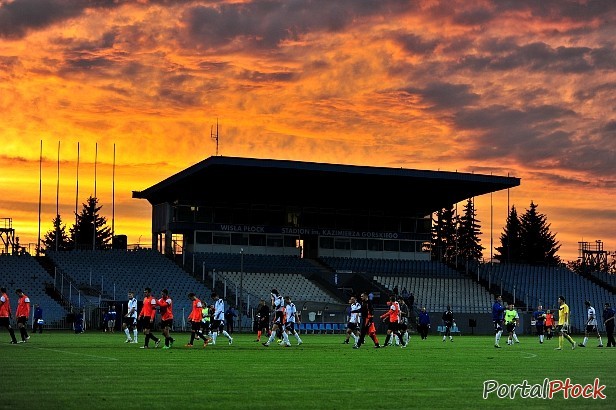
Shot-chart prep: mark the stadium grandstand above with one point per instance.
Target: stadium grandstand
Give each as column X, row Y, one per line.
column 317, row 232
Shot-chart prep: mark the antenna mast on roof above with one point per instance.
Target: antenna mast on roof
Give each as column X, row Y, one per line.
column 215, row 136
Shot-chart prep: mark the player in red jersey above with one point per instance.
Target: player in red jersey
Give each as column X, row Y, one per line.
column 22, row 314
column 165, row 306
column 6, row 315
column 146, row 318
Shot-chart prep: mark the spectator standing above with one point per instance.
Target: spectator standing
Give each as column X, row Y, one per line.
column 230, row 316
column 37, row 319
column 423, row 323
column 608, row 321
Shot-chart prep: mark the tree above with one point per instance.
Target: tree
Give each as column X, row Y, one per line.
column 82, row 232
column 57, row 238
column 509, row 251
column 538, row 246
column 444, row 235
column 469, row 243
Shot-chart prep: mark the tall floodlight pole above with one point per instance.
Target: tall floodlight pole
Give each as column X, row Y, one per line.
column 241, row 286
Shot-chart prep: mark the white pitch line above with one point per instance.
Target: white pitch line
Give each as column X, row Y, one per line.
column 76, row 354
column 532, row 355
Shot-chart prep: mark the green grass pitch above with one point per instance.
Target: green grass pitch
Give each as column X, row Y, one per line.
column 61, row 370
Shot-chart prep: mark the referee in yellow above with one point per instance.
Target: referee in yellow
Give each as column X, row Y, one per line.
column 562, row 328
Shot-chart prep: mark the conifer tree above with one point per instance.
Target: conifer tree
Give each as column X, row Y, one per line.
column 57, row 238
column 469, row 243
column 538, row 246
column 509, row 251
column 88, row 220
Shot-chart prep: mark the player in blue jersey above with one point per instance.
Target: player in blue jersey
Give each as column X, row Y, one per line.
column 539, row 316
column 497, row 318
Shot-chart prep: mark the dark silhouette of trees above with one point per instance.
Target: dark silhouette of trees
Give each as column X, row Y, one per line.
column 57, row 238
column 529, row 240
column 510, row 239
column 444, row 235
column 469, row 243
column 88, row 220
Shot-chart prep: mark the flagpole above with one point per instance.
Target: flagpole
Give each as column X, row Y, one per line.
column 58, row 198
column 94, row 205
column 113, row 194
column 76, row 231
column 38, row 247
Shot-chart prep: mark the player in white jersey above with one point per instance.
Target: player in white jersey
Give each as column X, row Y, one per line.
column 291, row 319
column 354, row 323
column 218, row 321
column 591, row 325
column 130, row 319
column 279, row 319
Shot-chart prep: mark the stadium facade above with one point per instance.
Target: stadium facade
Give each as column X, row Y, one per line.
column 280, row 207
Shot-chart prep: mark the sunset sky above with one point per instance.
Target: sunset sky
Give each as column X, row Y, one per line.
column 525, row 88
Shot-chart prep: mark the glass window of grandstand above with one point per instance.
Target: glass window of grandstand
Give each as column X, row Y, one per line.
column 375, row 245
column 326, row 242
column 391, row 246
column 204, row 237
column 359, row 244
column 292, row 217
column 327, row 219
column 344, row 219
column 204, row 214
column 239, row 239
column 390, row 224
column 241, row 215
column 223, row 215
column 256, row 239
column 407, row 246
column 342, row 243
column 260, row 215
column 274, row 241
column 222, row 238
column 290, row 241
column 407, row 225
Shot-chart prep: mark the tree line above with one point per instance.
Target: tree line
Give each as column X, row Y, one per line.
column 525, row 239
column 89, row 231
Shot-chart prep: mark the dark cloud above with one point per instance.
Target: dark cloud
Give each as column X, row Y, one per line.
column 559, row 10
column 20, row 16
column 441, row 95
column 265, row 24
column 416, row 44
column 538, row 56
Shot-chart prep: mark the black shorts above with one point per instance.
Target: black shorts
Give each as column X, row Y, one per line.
column 591, row 329
column 393, row 326
column 279, row 317
column 22, row 320
column 403, row 327
column 498, row 325
column 146, row 324
column 130, row 321
column 205, row 327
column 510, row 327
column 5, row 322
column 195, row 326
column 218, row 325
column 290, row 326
column 540, row 328
column 166, row 323
column 353, row 327
column 263, row 323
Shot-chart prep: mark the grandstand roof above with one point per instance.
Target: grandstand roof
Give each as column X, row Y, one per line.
column 234, row 179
